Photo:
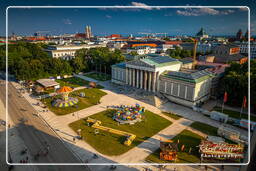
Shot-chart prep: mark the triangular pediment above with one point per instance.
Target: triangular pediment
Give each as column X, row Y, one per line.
column 140, row 63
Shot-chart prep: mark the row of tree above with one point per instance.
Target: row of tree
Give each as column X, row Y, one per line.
column 179, row 53
column 235, row 83
column 29, row 61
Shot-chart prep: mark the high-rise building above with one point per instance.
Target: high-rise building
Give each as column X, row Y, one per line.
column 246, row 35
column 239, row 35
column 88, row 32
column 202, row 34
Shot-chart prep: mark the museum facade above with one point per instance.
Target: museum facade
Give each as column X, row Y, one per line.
column 167, row 76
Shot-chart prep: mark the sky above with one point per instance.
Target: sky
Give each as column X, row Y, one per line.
column 105, row 21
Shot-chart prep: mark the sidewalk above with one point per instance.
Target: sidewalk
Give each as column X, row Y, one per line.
column 137, row 154
column 196, row 116
column 15, row 144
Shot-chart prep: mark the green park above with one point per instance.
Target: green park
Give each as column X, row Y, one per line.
column 150, row 125
column 190, row 154
column 92, row 97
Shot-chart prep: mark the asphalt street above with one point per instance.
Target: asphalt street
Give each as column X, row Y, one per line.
column 37, row 136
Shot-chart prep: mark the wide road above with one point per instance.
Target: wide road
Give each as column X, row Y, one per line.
column 36, row 134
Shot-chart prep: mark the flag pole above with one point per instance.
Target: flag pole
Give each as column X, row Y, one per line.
column 241, row 110
column 222, row 106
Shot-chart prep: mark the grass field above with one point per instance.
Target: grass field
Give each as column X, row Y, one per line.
column 234, row 114
column 99, row 76
column 205, row 128
column 112, row 144
column 72, row 82
column 189, row 140
column 209, row 130
column 92, row 97
column 171, row 115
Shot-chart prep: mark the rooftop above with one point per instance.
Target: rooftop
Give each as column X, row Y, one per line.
column 47, row 82
column 120, row 65
column 160, row 61
column 189, row 75
column 201, row 32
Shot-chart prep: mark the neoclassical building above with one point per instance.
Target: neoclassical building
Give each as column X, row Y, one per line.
column 165, row 75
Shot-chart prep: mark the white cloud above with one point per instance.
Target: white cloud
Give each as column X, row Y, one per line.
column 139, row 6
column 143, row 5
column 67, row 21
column 243, row 9
column 203, row 11
column 108, row 16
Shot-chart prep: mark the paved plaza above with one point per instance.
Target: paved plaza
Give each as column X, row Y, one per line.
column 137, row 154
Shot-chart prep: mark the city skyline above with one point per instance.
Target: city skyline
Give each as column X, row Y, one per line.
column 105, row 21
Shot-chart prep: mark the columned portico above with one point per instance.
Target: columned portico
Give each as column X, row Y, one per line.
column 126, row 76
column 145, row 80
column 137, row 78
column 154, row 81
column 149, row 81
column 130, row 76
column 133, row 77
column 141, row 79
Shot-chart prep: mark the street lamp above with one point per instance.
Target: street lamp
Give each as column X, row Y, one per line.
column 79, row 133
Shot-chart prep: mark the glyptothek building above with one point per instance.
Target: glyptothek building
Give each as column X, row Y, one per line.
column 165, row 75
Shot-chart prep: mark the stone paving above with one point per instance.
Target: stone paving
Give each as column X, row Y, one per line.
column 196, row 116
column 15, row 144
column 135, row 155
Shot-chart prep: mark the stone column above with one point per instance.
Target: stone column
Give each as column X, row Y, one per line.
column 133, row 77
column 154, row 81
column 126, row 75
column 130, row 76
column 149, row 81
column 145, row 80
column 157, row 82
column 137, row 79
column 141, row 79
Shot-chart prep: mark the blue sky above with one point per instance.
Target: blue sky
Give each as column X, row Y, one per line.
column 129, row 21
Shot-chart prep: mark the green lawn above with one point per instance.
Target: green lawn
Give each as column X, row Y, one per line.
column 209, row 130
column 72, row 82
column 93, row 96
column 189, row 139
column 233, row 114
column 99, row 76
column 112, row 144
column 173, row 116
column 205, row 128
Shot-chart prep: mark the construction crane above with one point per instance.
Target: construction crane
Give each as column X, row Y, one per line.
column 39, row 33
column 152, row 34
column 194, row 52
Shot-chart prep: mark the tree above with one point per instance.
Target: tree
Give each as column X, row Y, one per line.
column 235, row 83
column 133, row 53
column 78, row 64
column 179, row 53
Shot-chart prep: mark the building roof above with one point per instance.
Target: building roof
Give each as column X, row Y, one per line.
column 120, row 65
column 64, row 89
column 186, row 60
column 160, row 61
column 188, row 75
column 201, row 32
column 228, row 58
column 47, row 82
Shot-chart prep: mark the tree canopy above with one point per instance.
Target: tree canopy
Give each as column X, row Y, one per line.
column 28, row 61
column 179, row 53
column 235, row 83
